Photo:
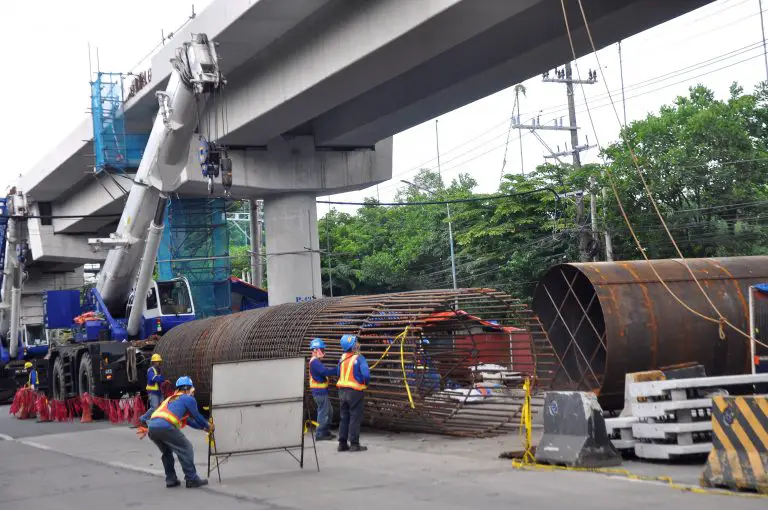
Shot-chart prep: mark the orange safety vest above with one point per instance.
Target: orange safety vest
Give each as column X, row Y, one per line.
column 346, row 376
column 155, row 386
column 314, row 384
column 164, row 413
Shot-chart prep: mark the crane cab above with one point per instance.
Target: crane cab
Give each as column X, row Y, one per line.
column 168, row 304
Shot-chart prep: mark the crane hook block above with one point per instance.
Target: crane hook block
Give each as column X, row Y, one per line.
column 226, row 173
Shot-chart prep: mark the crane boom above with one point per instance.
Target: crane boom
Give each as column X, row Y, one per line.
column 194, row 79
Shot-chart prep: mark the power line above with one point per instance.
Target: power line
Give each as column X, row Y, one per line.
column 444, row 202
column 559, row 109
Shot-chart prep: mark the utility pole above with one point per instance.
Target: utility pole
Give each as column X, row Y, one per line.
column 518, row 89
column 621, row 73
column 328, row 245
column 448, row 209
column 257, row 261
column 587, row 238
column 765, row 50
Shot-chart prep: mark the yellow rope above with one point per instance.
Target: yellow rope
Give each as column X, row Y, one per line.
column 399, row 338
column 402, row 364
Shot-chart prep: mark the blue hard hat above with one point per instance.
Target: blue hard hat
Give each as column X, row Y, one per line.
column 317, row 343
column 184, row 380
column 348, row 342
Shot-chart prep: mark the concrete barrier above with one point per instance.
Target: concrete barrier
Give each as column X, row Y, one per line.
column 739, row 456
column 574, row 432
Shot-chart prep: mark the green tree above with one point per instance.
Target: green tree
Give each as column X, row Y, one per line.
column 704, row 160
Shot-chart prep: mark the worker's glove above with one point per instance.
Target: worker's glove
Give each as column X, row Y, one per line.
column 141, row 432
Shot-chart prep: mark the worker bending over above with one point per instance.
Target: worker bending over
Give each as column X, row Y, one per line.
column 154, row 380
column 32, row 379
column 175, row 412
column 354, row 377
column 318, row 384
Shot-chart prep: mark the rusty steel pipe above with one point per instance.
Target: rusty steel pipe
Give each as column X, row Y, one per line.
column 440, row 352
column 607, row 319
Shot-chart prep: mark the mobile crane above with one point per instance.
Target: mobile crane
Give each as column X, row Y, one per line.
column 126, row 308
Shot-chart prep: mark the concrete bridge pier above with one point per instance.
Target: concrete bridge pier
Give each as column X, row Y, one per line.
column 293, row 248
column 288, row 174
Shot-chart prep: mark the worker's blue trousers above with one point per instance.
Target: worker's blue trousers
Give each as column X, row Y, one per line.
column 170, row 441
column 155, row 399
column 351, row 408
column 324, row 411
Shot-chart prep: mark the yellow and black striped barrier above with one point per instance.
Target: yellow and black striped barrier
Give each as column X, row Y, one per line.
column 739, row 456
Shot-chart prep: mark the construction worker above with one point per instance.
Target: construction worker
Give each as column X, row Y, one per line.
column 164, row 429
column 32, row 379
column 318, row 384
column 354, row 377
column 154, row 380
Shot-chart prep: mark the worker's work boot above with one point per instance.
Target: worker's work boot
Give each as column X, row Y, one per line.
column 192, row 484
column 172, row 484
column 355, row 447
column 343, row 447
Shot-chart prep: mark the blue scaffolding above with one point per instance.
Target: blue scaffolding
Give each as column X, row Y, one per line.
column 114, row 148
column 195, row 244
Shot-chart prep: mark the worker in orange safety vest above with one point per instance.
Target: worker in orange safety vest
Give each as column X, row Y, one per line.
column 164, row 429
column 318, row 385
column 354, row 376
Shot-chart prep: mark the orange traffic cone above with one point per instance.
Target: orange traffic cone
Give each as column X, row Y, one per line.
column 87, row 404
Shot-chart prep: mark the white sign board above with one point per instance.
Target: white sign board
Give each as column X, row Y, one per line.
column 258, row 405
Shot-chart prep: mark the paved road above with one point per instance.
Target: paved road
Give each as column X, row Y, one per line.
column 101, row 466
column 35, row 479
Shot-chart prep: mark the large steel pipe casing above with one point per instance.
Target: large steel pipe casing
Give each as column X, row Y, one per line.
column 607, row 319
column 415, row 342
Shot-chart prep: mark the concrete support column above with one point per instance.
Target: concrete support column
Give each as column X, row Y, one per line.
column 293, row 258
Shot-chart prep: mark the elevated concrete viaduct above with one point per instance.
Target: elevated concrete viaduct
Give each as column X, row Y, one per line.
column 316, row 90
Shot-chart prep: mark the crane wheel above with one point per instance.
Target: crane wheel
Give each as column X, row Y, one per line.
column 86, row 383
column 85, row 376
column 58, row 383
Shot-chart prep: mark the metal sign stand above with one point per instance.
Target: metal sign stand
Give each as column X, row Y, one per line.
column 213, row 454
column 259, row 417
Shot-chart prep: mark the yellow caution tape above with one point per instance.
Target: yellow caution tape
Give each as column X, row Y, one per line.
column 526, row 425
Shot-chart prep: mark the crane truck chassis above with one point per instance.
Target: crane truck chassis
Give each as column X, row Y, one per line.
column 113, row 339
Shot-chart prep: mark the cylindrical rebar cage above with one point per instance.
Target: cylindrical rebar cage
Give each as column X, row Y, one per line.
column 462, row 355
column 607, row 319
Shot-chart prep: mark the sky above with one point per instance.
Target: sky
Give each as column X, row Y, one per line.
column 49, row 94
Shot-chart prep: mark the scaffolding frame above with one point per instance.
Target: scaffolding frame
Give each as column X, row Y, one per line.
column 114, row 148
column 195, row 245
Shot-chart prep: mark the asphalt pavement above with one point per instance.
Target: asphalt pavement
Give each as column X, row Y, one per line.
column 93, row 466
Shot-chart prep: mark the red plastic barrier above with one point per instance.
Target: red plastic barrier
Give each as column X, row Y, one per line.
column 23, row 406
column 86, row 403
column 28, row 404
column 138, row 410
column 43, row 408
